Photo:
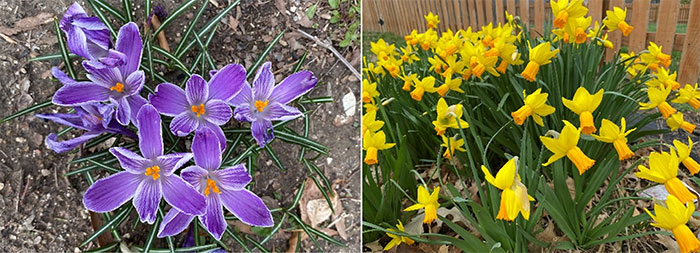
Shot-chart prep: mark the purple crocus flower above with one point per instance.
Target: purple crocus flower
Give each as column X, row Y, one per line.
column 146, row 178
column 119, row 85
column 223, row 187
column 93, row 118
column 201, row 105
column 265, row 102
column 89, row 38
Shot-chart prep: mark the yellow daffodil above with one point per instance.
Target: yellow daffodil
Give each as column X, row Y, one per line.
column 425, row 85
column 657, row 99
column 610, row 133
column 409, row 81
column 566, row 145
column 684, row 156
column 370, row 122
column 452, row 144
column 690, row 95
column 437, row 64
column 583, row 104
column 369, row 91
column 616, row 20
column 564, row 11
column 396, row 240
column 450, row 84
column 370, row 108
column 655, row 57
column 540, row 55
column 447, row 117
column 514, row 198
column 674, row 217
column 676, row 121
column 373, row 142
column 408, row 56
column 535, row 106
column 411, row 39
column 633, row 66
column 432, row 20
column 575, row 29
column 427, row 201
column 665, row 79
column 383, row 50
column 663, row 169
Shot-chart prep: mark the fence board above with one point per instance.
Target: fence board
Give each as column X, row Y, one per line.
column 525, row 12
column 499, row 11
column 667, row 25
column 640, row 19
column 510, row 6
column 616, row 36
column 539, row 16
column 595, row 10
column 489, row 11
column 472, row 14
column 690, row 60
column 481, row 20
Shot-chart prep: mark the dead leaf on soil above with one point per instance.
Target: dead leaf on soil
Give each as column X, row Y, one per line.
column 245, row 228
column 281, row 5
column 27, row 24
column 293, row 242
column 668, row 242
column 374, row 246
column 232, row 23
column 415, row 226
column 314, row 208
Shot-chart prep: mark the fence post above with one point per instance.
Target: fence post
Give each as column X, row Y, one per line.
column 499, row 11
column 539, row 16
column 640, row 21
column 481, row 20
column 616, row 36
column 690, row 60
column 666, row 27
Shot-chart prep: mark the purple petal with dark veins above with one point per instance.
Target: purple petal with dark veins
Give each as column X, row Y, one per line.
column 259, row 129
column 247, row 206
column 243, row 113
column 293, row 87
column 77, row 42
column 103, row 76
column 67, row 145
column 183, row 196
column 61, row 76
column 277, row 111
column 80, row 94
column 169, row 99
column 218, row 112
column 213, row 219
column 68, row 119
column 173, row 223
column 129, row 42
column 183, row 124
column 130, row 161
column 227, row 82
column 196, row 90
column 123, row 110
column 74, row 11
column 113, row 59
column 111, row 192
column 264, row 83
column 245, row 96
column 233, row 178
column 135, row 103
column 206, row 149
column 134, row 82
column 147, row 198
column 194, row 175
column 169, row 163
column 150, row 133
column 218, row 132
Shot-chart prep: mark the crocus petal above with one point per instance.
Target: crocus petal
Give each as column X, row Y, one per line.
column 135, row 104
column 169, row 99
column 123, row 110
column 129, row 42
column 264, row 82
column 77, row 42
column 227, row 82
column 135, row 81
column 129, row 160
column 69, row 119
column 183, row 124
column 260, row 128
column 169, row 163
column 113, row 59
column 173, row 223
column 67, row 145
column 194, row 175
column 233, row 178
column 218, row 112
column 111, row 192
column 104, row 76
column 150, row 132
column 242, row 113
column 293, row 87
column 277, row 111
column 206, row 149
column 62, row 76
column 196, row 90
column 247, row 206
column 213, row 219
column 80, row 94
column 218, row 132
column 182, row 196
column 147, row 198
column 74, row 11
column 245, row 96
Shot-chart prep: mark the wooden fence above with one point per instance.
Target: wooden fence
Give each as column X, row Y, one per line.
column 402, row 16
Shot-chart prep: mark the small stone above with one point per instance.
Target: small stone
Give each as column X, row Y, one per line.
column 37, row 240
column 20, row 140
column 2, row 186
column 329, row 160
column 45, row 172
column 268, row 162
column 352, row 78
column 293, row 9
column 349, row 102
column 13, row 237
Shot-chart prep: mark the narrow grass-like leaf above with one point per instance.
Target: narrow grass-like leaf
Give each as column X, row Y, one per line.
column 173, row 15
column 237, row 239
column 108, row 224
column 304, row 227
column 64, row 49
column 127, row 10
column 274, row 157
column 104, row 166
column 152, row 234
column 295, row 139
column 51, row 57
column 107, row 248
column 190, row 28
column 275, row 229
column 211, row 24
column 316, row 100
column 172, row 57
column 110, row 9
column 262, row 56
column 26, row 111
column 297, row 197
column 101, row 16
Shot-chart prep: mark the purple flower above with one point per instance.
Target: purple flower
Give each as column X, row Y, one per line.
column 93, row 118
column 265, row 102
column 223, row 187
column 89, row 38
column 201, row 105
column 146, row 178
column 119, row 85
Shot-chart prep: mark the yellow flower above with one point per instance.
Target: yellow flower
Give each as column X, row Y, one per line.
column 447, row 117
column 452, row 144
column 684, row 156
column 583, row 104
column 514, row 198
column 540, row 55
column 450, row 84
column 409, row 81
column 383, row 50
column 535, row 106
column 409, row 55
column 663, row 78
column 689, row 94
column 676, row 121
column 616, row 20
column 663, row 169
column 564, row 11
column 369, row 122
column 577, row 28
column 673, row 217
column 369, row 91
column 427, row 201
column 566, row 145
column 396, row 239
column 657, row 99
column 633, row 66
column 370, row 108
column 411, row 39
column 655, row 57
column 432, row 20
column 373, row 142
column 610, row 133
column 425, row 85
